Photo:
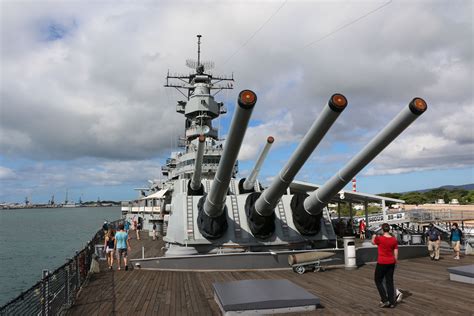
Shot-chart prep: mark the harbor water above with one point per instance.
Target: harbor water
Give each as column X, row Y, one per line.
column 35, row 239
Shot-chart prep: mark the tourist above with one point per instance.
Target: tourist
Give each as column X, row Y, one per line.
column 386, row 261
column 127, row 226
column 137, row 230
column 105, row 227
column 122, row 245
column 154, row 231
column 362, row 229
column 455, row 238
column 135, row 224
column 434, row 241
column 109, row 248
column 340, row 228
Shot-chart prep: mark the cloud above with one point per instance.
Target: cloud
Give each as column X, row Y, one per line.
column 7, row 174
column 43, row 178
column 84, row 80
column 256, row 137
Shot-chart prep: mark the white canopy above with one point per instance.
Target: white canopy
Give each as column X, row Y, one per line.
column 156, row 195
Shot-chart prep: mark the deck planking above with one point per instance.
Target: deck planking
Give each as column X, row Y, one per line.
column 342, row 292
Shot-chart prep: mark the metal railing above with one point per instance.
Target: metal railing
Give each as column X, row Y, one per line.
column 427, row 215
column 57, row 290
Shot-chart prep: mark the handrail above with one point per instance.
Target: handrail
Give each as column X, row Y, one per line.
column 57, row 290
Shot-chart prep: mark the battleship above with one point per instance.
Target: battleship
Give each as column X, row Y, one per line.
column 211, row 220
column 204, row 208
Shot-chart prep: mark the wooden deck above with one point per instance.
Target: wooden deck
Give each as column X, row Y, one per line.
column 139, row 292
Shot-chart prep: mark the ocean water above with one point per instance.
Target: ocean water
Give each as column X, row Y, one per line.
column 35, row 239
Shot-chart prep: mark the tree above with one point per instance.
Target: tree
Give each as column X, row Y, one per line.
column 446, row 197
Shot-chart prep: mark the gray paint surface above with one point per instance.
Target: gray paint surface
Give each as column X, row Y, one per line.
column 266, row 260
column 262, row 294
column 467, row 271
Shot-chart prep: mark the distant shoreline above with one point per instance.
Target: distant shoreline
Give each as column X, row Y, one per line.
column 39, row 206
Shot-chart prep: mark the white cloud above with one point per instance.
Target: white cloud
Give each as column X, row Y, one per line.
column 256, row 137
column 7, row 174
column 97, row 91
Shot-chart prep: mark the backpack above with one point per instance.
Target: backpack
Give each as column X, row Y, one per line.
column 433, row 234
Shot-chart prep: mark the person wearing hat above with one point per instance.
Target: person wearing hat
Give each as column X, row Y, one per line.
column 105, row 227
column 434, row 241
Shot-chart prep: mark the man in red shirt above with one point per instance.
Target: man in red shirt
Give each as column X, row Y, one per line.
column 386, row 261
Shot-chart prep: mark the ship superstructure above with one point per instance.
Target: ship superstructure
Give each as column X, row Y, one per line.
column 199, row 109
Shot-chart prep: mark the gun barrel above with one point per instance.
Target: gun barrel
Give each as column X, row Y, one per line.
column 196, row 179
column 215, row 200
column 249, row 183
column 317, row 200
column 267, row 202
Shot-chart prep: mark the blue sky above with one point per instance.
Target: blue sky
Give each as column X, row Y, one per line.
column 83, row 107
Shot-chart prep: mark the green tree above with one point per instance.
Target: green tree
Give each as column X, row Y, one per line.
column 446, row 197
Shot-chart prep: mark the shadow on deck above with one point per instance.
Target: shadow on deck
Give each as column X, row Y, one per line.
column 342, row 292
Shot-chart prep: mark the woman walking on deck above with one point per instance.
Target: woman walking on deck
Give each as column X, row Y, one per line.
column 109, row 248
column 387, row 246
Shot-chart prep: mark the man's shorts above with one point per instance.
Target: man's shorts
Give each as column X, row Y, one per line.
column 122, row 252
column 456, row 245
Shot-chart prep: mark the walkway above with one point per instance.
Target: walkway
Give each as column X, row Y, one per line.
column 140, row 292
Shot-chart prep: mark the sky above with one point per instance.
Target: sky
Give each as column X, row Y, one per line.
column 83, row 108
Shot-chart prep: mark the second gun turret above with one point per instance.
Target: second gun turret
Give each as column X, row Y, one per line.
column 247, row 185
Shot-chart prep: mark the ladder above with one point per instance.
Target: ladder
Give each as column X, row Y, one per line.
column 232, row 184
column 190, row 215
column 235, row 214
column 284, row 222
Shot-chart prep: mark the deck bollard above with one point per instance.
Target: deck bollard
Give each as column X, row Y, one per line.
column 349, row 253
column 143, row 252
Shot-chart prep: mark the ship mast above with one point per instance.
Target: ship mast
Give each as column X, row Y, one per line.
column 199, row 106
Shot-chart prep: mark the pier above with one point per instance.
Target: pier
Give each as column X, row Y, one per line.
column 425, row 284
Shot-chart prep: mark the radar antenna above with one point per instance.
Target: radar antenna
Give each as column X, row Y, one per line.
column 199, row 49
column 185, row 84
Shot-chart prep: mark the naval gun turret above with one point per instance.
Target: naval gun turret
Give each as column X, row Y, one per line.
column 208, row 209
